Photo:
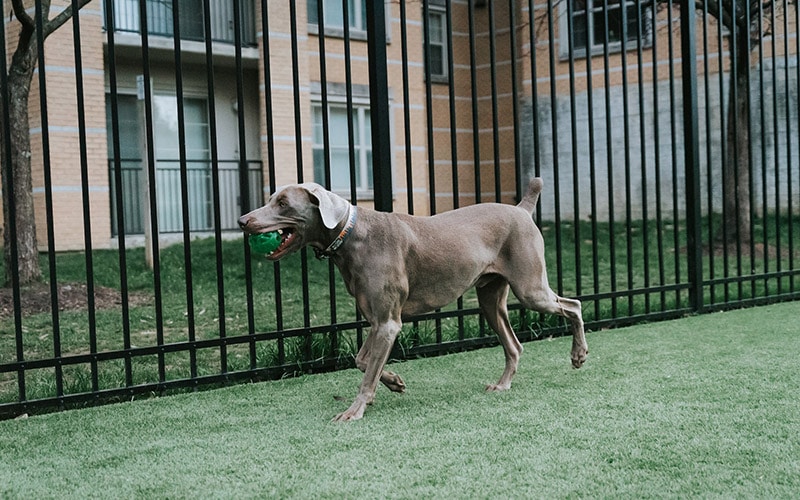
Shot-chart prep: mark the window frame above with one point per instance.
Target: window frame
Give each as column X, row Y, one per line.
column 363, row 142
column 358, row 33
column 438, row 9
column 593, row 49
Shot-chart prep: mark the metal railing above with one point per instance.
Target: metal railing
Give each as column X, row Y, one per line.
column 645, row 211
column 199, row 191
column 160, row 19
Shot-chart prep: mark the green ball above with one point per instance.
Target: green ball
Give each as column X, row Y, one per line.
column 265, row 242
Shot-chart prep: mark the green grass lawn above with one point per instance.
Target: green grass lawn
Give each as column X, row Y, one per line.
column 704, row 406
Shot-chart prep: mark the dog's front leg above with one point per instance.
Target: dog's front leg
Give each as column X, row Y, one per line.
column 376, row 356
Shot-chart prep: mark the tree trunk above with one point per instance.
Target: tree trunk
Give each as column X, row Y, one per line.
column 19, row 83
column 736, row 170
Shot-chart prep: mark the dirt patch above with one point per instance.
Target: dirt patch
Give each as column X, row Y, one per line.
column 732, row 250
column 36, row 298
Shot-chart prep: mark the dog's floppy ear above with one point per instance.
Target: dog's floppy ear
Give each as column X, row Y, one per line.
column 332, row 207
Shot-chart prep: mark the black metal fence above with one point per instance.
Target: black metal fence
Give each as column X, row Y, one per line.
column 668, row 140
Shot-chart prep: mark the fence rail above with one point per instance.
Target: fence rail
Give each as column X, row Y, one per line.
column 669, row 143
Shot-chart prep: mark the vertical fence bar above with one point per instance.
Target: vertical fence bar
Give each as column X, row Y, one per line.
column 451, row 94
column 48, row 189
column 554, row 125
column 709, row 154
column 512, row 27
column 723, row 155
column 270, row 123
column 379, row 105
column 431, row 145
column 406, row 107
column 323, row 71
column 764, row 187
column 473, row 78
column 789, row 178
column 351, row 139
column 87, row 220
column 626, row 134
column 184, row 188
column 298, row 131
column 734, row 109
column 612, row 249
column 673, row 104
column 451, row 91
column 592, row 176
column 150, row 172
column 776, row 143
column 495, row 119
column 475, row 117
column 573, row 114
column 244, row 170
column 750, row 240
column 10, row 205
column 662, row 278
column 215, row 183
column 111, row 61
column 640, row 34
column 692, row 156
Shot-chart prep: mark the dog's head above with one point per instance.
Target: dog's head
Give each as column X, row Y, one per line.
column 303, row 214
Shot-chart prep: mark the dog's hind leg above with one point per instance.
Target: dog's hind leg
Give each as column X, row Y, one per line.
column 546, row 301
column 492, row 299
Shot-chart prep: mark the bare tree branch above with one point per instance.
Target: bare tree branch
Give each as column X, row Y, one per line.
column 24, row 18
column 63, row 17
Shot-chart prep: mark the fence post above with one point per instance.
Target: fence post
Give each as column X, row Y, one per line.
column 694, row 249
column 379, row 105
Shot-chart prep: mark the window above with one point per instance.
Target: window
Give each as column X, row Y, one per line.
column 334, row 15
column 339, row 153
column 593, row 21
column 168, row 166
column 168, row 189
column 437, row 40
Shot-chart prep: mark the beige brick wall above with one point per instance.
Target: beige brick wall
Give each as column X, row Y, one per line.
column 496, row 149
column 65, row 155
column 461, row 107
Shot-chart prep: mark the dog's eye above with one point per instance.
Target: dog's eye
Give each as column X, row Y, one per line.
column 282, row 204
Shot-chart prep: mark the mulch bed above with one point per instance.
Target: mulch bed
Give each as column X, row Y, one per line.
column 36, row 299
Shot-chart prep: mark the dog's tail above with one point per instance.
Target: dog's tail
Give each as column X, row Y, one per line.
column 528, row 201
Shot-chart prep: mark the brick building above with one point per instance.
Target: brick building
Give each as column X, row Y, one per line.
column 474, row 92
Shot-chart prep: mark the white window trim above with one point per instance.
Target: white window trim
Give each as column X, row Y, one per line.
column 337, row 96
column 595, row 50
column 439, row 10
column 355, row 33
column 360, row 105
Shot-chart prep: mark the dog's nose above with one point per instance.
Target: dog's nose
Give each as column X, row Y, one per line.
column 243, row 221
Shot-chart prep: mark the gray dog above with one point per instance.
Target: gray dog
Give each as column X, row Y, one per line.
column 398, row 265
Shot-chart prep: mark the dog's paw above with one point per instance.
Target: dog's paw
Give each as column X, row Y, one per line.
column 497, row 387
column 393, row 382
column 347, row 416
column 579, row 356
column 356, row 410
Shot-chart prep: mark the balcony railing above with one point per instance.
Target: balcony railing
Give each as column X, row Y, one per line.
column 168, row 193
column 160, row 19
